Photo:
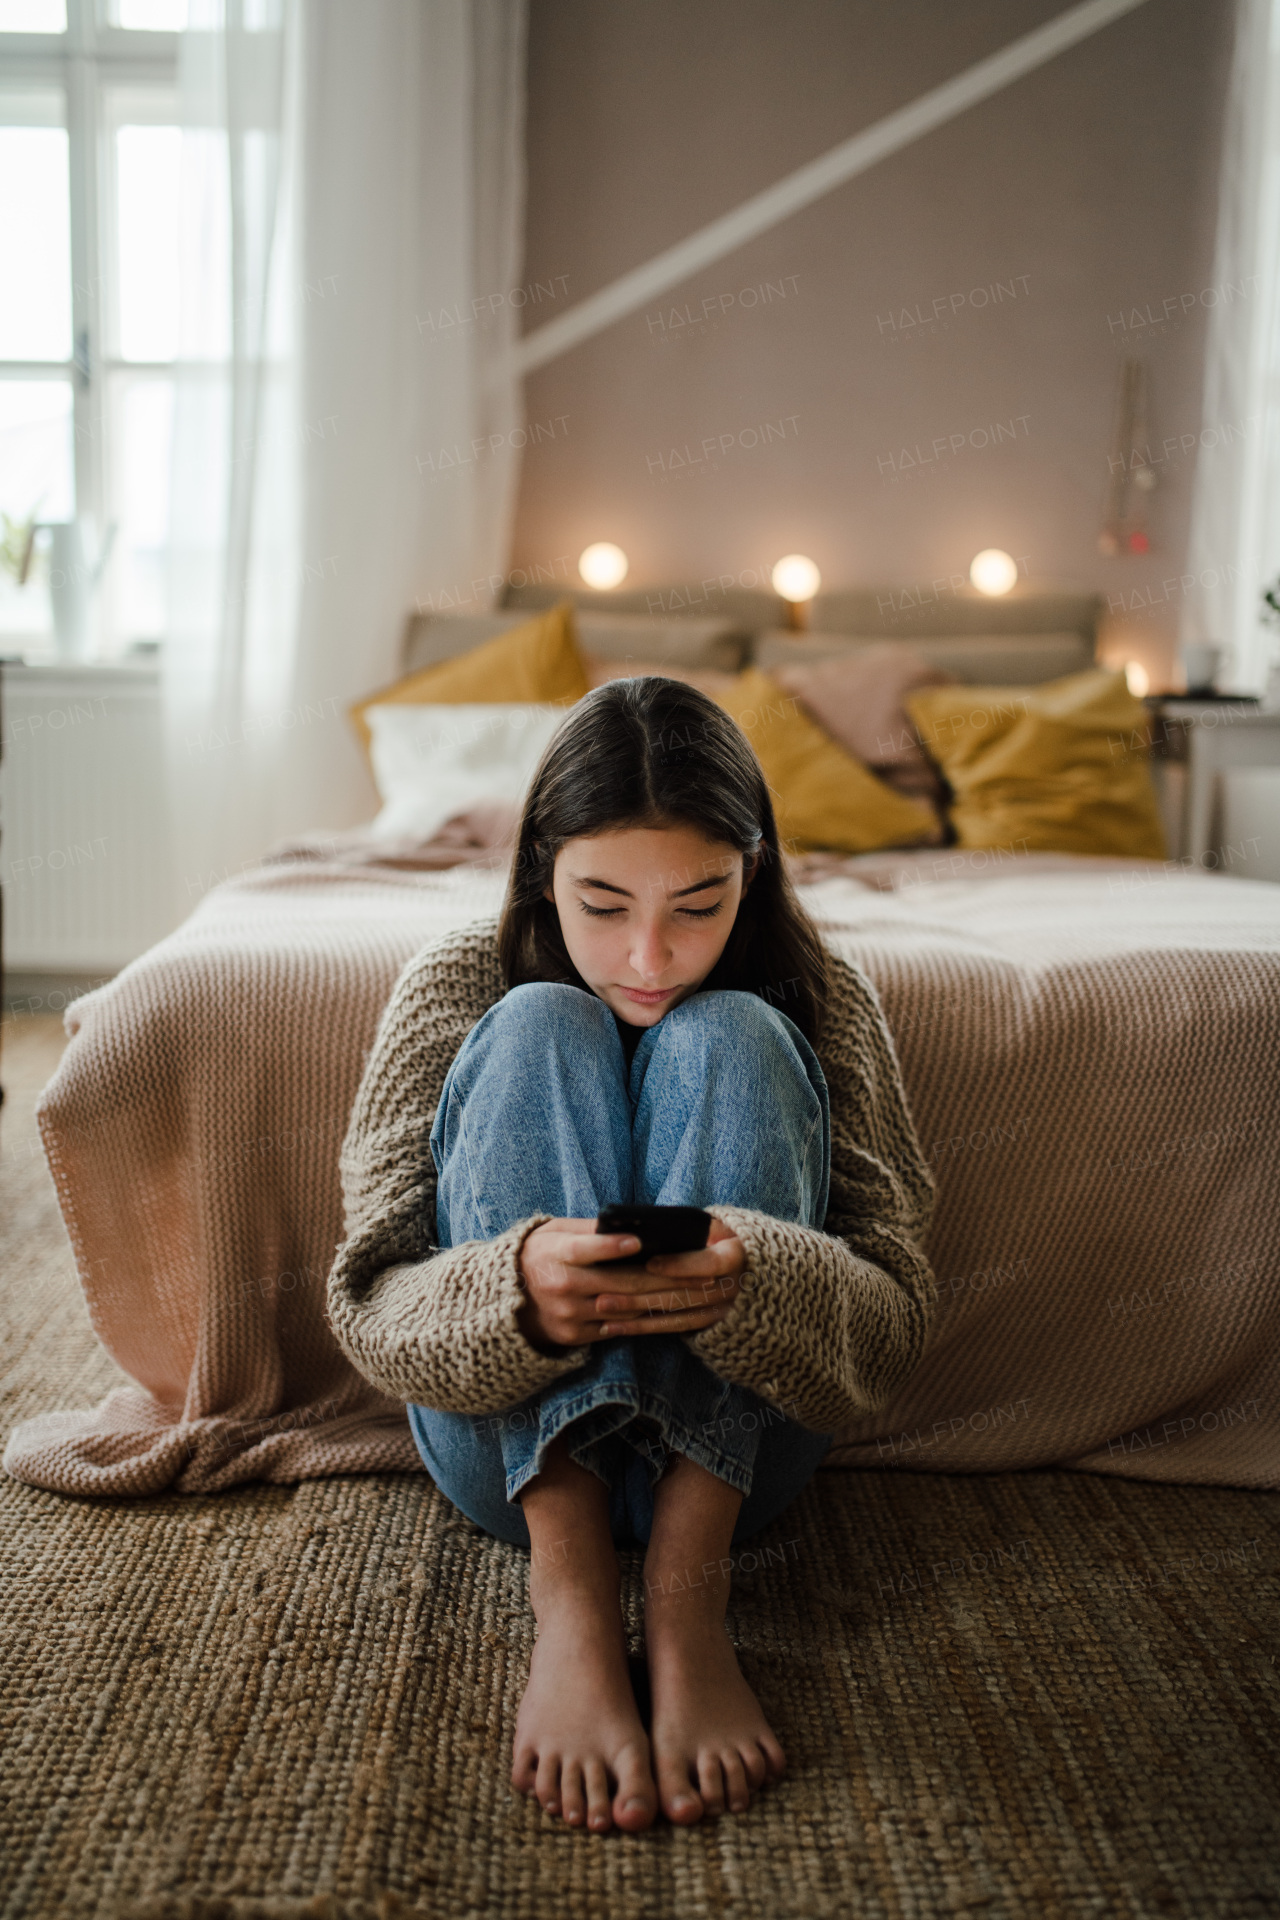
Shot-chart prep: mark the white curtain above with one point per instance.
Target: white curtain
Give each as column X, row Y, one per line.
column 344, row 444
column 1234, row 548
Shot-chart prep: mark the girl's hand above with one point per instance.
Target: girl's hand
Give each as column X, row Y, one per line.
column 572, row 1303
column 696, row 1289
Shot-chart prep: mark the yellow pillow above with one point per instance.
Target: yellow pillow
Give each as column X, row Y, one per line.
column 1059, row 768
column 822, row 796
column 538, row 660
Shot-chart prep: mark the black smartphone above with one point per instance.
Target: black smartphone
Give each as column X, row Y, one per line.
column 660, row 1229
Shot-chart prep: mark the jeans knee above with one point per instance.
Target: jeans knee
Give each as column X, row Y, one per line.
column 540, row 1005
column 764, row 1046
column 728, row 1014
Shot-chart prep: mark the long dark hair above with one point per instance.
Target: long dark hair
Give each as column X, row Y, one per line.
column 654, row 753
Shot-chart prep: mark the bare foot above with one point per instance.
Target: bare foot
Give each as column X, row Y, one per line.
column 712, row 1746
column 580, row 1746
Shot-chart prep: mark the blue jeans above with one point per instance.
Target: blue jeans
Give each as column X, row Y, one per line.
column 724, row 1101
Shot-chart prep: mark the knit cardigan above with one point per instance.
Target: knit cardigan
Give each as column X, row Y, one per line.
column 826, row 1325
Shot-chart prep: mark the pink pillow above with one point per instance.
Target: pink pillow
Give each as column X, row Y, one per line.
column 859, row 698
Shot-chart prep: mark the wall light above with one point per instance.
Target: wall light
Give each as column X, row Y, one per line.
column 796, row 580
column 603, row 565
column 993, row 570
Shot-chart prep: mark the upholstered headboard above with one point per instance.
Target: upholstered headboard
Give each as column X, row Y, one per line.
column 611, row 634
column 747, row 610
column 1024, row 637
column 886, row 613
column 980, row 659
column 1020, row 638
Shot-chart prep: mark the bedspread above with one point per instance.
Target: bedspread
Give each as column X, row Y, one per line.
column 1090, row 1054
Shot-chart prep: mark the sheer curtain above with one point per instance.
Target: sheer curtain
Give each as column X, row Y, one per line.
column 343, row 444
column 1234, row 548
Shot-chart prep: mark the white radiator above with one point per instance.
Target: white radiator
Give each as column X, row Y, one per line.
column 84, row 849
column 1249, row 799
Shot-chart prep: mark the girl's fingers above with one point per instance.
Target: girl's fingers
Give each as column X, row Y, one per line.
column 564, row 1278
column 664, row 1323
column 630, row 1279
column 718, row 1256
column 589, row 1249
column 712, row 1292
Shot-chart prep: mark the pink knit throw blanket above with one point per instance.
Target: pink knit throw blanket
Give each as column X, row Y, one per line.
column 1090, row 1055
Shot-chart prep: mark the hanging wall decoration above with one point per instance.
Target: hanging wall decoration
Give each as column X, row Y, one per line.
column 1132, row 475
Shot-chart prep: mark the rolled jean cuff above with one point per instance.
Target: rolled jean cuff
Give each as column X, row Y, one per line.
column 598, row 1420
column 649, row 1396
column 620, row 1416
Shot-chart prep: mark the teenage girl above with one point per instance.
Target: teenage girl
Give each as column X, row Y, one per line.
column 654, row 1018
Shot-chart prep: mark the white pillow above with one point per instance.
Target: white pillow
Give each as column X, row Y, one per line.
column 430, row 762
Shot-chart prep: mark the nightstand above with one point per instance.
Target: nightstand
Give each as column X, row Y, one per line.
column 1216, row 765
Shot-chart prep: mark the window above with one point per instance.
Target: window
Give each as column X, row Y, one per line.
column 89, row 174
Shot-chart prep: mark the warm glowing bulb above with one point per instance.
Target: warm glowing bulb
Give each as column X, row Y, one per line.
column 993, row 570
column 603, row 564
column 1137, row 679
column 795, row 578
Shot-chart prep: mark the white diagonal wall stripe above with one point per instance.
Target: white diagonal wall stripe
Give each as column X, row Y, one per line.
column 810, row 182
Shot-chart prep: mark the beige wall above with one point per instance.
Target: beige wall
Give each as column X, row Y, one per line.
column 1082, row 193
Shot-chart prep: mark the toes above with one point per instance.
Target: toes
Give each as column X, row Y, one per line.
column 635, row 1804
column 580, row 1791
column 599, row 1815
column 711, row 1783
column 675, row 1791
column 755, row 1764
column 735, row 1780
column 775, row 1758
column 547, row 1784
column 573, row 1794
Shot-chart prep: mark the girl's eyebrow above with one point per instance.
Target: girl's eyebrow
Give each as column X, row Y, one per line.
column 607, row 886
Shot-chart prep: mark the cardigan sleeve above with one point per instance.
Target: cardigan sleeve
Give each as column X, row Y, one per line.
column 423, row 1324
column 828, row 1324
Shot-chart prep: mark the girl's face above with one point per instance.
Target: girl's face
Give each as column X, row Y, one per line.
column 646, row 913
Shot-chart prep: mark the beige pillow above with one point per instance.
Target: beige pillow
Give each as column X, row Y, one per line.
column 706, row 679
column 715, row 644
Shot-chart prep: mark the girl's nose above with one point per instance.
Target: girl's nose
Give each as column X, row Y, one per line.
column 650, row 952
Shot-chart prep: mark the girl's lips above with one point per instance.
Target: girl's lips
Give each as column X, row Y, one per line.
column 649, row 999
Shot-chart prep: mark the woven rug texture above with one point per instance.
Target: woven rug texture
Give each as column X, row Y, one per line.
column 1033, row 1694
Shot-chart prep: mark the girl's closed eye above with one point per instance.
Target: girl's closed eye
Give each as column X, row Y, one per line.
column 694, row 913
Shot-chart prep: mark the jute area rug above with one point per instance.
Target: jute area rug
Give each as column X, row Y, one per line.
column 1038, row 1694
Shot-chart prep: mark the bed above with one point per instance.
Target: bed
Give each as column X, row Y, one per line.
column 1088, row 1046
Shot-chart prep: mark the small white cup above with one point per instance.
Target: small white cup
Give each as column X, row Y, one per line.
column 1200, row 663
